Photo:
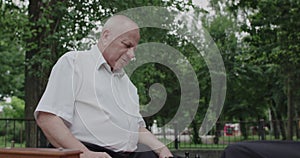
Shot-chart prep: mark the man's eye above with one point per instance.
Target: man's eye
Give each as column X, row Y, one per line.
column 127, row 45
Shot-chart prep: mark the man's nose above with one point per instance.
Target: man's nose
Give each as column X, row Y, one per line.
column 130, row 54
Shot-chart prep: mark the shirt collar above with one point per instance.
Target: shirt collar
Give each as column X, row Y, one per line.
column 101, row 62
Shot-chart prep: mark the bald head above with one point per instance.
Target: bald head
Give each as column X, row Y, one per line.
column 119, row 38
column 120, row 24
column 114, row 27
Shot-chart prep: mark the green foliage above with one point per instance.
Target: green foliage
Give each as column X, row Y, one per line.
column 12, row 21
column 14, row 109
column 275, row 36
column 12, row 130
column 272, row 32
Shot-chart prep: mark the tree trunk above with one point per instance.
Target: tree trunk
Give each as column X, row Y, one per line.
column 296, row 121
column 243, row 128
column 34, row 83
column 31, row 82
column 36, row 75
column 276, row 128
column 196, row 137
column 297, row 102
column 281, row 127
column 275, row 119
column 290, row 108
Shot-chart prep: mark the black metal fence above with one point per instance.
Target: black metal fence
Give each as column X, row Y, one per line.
column 224, row 133
column 12, row 133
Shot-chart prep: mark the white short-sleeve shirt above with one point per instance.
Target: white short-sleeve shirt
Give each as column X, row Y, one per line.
column 99, row 106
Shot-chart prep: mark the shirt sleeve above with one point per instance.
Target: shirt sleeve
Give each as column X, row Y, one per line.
column 58, row 97
column 141, row 122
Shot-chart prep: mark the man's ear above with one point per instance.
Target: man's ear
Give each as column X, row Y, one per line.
column 106, row 35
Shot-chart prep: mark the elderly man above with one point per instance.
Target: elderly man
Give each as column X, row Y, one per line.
column 90, row 103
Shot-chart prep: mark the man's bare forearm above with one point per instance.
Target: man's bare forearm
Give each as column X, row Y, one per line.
column 147, row 138
column 57, row 132
column 60, row 136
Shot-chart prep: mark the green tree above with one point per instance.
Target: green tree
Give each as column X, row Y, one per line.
column 12, row 21
column 273, row 31
column 247, row 97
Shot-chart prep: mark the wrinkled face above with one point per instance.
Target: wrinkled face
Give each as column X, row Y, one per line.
column 120, row 50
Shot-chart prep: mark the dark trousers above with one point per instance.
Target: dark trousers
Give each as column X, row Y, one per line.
column 146, row 152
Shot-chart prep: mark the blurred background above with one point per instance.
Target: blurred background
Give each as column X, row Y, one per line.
column 258, row 41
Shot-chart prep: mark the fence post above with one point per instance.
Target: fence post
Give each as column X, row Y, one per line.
column 261, row 129
column 42, row 140
column 176, row 142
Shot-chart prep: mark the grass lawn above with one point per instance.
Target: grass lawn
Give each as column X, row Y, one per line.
column 4, row 142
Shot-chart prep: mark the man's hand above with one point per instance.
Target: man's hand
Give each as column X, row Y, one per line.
column 164, row 152
column 91, row 154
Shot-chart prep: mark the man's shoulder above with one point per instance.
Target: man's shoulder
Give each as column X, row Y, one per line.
column 79, row 58
column 72, row 55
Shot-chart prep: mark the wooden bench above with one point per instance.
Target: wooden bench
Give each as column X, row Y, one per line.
column 38, row 153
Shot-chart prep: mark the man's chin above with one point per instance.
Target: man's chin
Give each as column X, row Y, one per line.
column 116, row 69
